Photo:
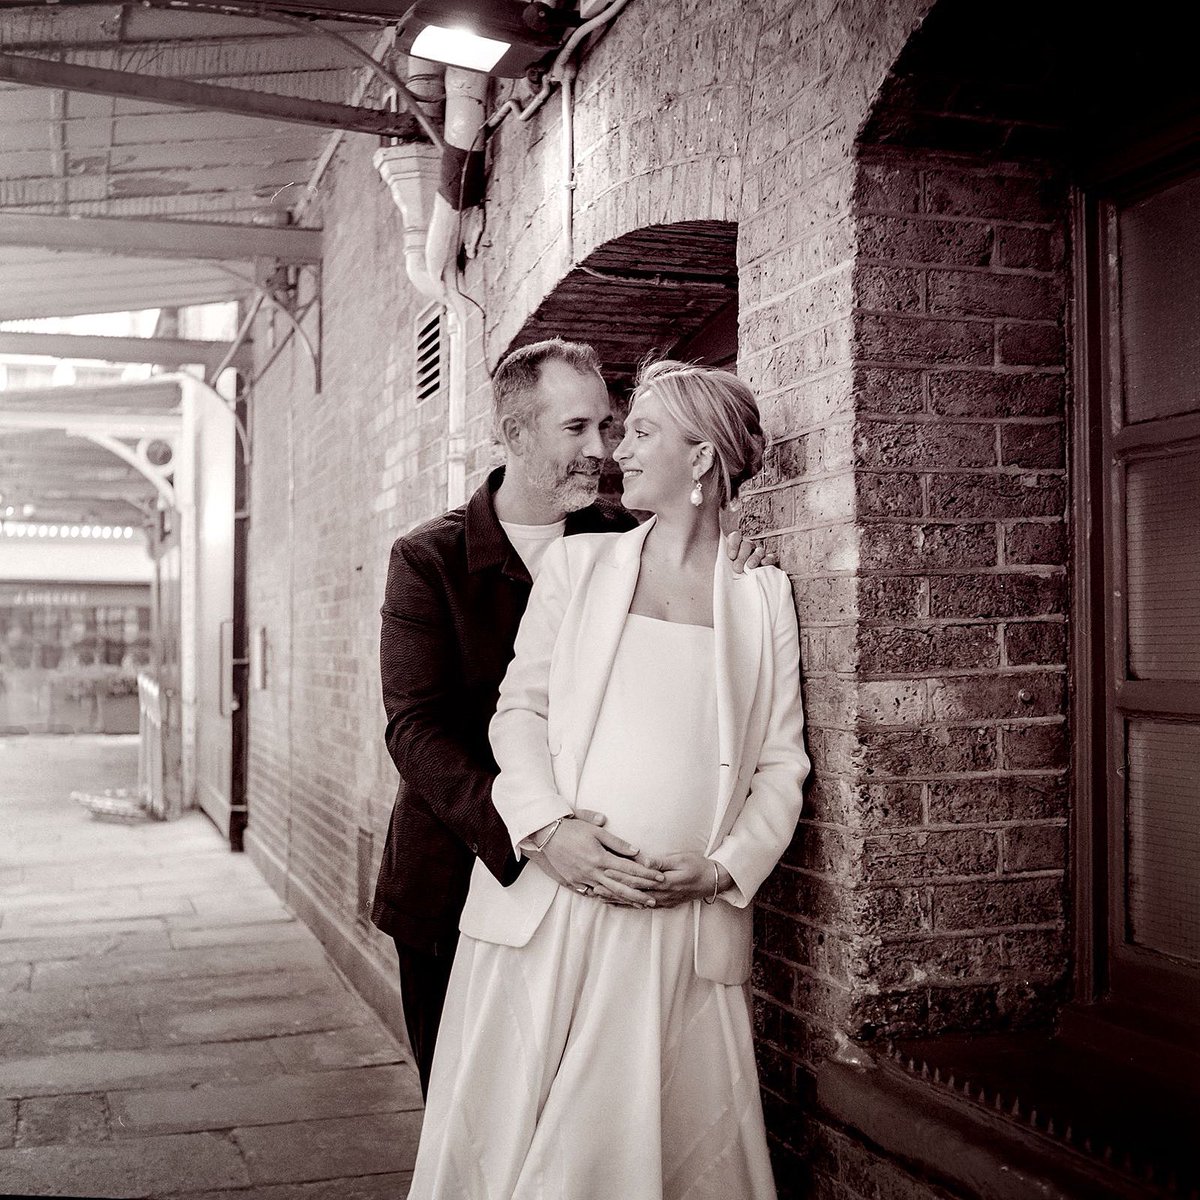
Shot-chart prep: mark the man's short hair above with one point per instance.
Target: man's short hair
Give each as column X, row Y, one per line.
column 514, row 384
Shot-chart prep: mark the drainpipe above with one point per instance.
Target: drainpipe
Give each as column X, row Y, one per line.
column 432, row 234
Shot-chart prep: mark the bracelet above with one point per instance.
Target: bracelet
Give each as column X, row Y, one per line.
column 716, row 883
column 538, row 847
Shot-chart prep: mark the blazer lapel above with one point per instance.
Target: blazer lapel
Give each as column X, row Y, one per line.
column 738, row 628
column 605, row 601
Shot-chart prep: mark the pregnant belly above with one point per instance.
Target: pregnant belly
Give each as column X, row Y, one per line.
column 658, row 821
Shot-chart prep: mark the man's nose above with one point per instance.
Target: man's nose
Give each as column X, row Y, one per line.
column 593, row 446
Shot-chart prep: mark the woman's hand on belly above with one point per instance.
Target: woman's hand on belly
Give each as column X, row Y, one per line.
column 686, row 877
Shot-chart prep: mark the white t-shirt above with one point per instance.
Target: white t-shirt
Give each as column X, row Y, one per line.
column 532, row 541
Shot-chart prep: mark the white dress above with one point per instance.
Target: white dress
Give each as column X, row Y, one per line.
column 593, row 1063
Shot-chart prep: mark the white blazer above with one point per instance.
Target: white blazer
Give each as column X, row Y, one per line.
column 551, row 697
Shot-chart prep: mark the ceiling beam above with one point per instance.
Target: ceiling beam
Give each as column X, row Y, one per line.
column 359, row 12
column 157, row 238
column 166, row 89
column 163, row 352
column 140, row 425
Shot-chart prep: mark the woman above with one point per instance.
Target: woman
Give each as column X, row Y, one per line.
column 597, row 1040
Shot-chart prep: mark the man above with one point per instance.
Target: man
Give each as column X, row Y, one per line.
column 456, row 590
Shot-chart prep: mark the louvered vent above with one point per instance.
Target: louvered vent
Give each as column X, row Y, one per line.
column 430, row 357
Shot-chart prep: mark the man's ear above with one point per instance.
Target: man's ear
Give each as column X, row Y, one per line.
column 512, row 434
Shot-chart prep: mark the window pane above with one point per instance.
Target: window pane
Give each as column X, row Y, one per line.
column 1164, row 837
column 1162, row 500
column 1160, row 302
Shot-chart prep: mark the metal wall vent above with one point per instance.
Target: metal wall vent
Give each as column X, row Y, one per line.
column 430, row 352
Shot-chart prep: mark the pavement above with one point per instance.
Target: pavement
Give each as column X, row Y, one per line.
column 167, row 1027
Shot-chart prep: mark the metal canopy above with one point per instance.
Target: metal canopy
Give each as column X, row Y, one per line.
column 73, row 480
column 162, row 117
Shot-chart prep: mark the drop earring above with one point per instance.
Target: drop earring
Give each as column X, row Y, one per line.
column 697, row 495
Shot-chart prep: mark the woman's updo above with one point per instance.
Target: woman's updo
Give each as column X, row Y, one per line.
column 710, row 405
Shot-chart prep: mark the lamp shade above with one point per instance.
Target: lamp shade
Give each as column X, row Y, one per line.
column 505, row 38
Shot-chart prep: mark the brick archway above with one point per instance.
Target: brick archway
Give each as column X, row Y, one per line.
column 645, row 293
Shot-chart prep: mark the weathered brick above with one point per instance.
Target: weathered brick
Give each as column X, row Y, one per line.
column 890, row 289
column 999, row 495
column 994, row 905
column 889, row 651
column 880, row 390
column 1023, row 445
column 917, row 855
column 895, row 545
column 909, row 962
column 887, row 494
column 983, row 801
column 1036, row 542
column 1031, row 642
column 932, row 340
column 889, row 702
column 1035, row 951
column 909, row 444
column 995, row 294
column 1030, row 345
column 959, row 243
column 991, row 596
column 1034, row 848
column 975, row 697
column 1036, row 747
column 927, row 752
column 988, row 194
column 883, row 188
column 1020, row 246
column 893, row 910
column 979, row 394
column 892, row 598
column 888, row 805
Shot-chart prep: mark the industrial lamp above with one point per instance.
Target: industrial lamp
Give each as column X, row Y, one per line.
column 507, row 38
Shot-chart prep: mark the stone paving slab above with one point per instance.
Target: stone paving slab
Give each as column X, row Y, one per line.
column 259, row 934
column 202, row 961
column 196, row 992
column 345, row 1146
column 147, row 1167
column 48, row 949
column 175, row 1031
column 367, row 1046
column 365, row 1187
column 314, row 1013
column 62, row 1120
column 343, row 1093
column 39, row 1034
column 106, row 1070
column 15, row 976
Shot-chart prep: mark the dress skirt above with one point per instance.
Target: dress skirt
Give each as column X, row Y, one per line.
column 593, row 1063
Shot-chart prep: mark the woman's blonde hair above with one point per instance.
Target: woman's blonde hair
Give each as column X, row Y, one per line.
column 714, row 406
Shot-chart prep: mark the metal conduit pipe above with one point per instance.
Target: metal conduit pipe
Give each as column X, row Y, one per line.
column 554, row 75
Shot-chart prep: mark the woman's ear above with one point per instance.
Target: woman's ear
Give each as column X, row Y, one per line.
column 703, row 457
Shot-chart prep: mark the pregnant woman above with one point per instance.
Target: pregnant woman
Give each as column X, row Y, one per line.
column 596, row 1043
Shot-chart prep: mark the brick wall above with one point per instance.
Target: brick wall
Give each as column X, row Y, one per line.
column 960, row 678
column 337, row 476
column 901, row 318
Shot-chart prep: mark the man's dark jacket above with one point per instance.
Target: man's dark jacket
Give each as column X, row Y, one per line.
column 456, row 591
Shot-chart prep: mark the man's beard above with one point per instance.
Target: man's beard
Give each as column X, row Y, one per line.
column 570, row 488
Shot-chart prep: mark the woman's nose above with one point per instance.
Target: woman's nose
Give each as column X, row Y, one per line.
column 621, row 452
